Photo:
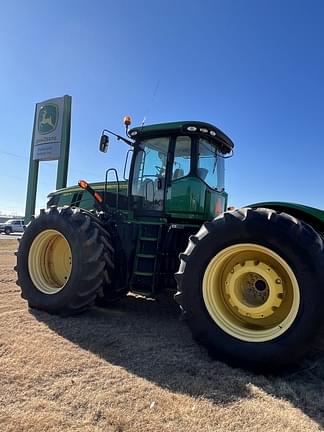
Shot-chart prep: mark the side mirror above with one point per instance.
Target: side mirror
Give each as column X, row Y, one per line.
column 104, row 141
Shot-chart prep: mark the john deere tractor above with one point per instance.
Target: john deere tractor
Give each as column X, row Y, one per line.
column 249, row 281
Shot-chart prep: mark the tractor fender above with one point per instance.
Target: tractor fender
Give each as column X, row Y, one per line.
column 310, row 215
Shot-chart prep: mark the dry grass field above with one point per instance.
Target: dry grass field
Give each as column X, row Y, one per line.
column 135, row 368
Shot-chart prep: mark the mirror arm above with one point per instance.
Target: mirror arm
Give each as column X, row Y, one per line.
column 118, row 137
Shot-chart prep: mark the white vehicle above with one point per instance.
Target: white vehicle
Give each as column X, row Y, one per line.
column 12, row 226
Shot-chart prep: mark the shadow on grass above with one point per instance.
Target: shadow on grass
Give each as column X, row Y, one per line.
column 147, row 339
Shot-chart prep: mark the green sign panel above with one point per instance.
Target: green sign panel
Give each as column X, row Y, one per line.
column 47, row 118
column 48, row 130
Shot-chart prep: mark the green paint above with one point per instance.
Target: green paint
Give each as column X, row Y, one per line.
column 161, row 129
column 63, row 163
column 47, row 118
column 190, row 197
column 32, row 181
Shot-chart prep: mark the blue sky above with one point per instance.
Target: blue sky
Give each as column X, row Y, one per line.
column 254, row 68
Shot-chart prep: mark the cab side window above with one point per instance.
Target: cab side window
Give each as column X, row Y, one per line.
column 208, row 161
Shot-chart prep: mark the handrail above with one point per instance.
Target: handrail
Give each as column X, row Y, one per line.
column 118, row 186
column 125, row 166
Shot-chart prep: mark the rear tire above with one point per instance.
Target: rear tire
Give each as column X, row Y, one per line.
column 60, row 261
column 114, row 285
column 250, row 284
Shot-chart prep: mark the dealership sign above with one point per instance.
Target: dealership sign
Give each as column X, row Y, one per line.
column 48, row 128
column 50, row 141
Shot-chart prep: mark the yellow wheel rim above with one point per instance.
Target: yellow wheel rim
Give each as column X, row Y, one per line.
column 50, row 261
column 251, row 292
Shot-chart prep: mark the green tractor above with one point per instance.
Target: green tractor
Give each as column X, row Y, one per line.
column 249, row 281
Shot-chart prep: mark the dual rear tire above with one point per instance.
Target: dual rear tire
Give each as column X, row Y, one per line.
column 65, row 261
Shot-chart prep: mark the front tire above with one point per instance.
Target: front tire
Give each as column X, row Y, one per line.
column 251, row 286
column 60, row 261
column 7, row 231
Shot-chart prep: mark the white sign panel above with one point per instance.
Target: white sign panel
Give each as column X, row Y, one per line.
column 48, row 129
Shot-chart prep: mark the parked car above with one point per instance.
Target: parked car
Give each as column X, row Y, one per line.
column 12, row 226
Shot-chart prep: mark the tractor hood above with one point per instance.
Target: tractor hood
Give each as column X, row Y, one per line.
column 75, row 196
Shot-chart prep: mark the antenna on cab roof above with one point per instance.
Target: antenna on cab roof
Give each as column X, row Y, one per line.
column 151, row 102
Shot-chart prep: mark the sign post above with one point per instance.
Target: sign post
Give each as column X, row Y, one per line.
column 50, row 141
column 63, row 163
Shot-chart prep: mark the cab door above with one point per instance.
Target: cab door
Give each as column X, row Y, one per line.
column 186, row 193
column 148, row 182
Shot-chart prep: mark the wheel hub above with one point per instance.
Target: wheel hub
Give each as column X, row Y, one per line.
column 254, row 289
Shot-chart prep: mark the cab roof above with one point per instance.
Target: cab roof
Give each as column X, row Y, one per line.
column 184, row 127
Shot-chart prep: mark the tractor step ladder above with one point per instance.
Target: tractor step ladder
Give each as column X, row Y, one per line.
column 146, row 260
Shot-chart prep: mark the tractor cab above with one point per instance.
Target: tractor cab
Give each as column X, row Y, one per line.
column 177, row 170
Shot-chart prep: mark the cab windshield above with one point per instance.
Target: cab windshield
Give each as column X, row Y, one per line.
column 192, row 156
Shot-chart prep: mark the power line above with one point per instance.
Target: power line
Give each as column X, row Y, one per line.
column 13, row 154
column 26, row 157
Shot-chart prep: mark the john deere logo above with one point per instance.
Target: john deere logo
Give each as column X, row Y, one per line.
column 47, row 118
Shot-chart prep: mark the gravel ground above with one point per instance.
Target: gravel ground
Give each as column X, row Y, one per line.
column 135, row 368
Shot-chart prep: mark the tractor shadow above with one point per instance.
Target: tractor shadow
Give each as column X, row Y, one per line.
column 147, row 338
